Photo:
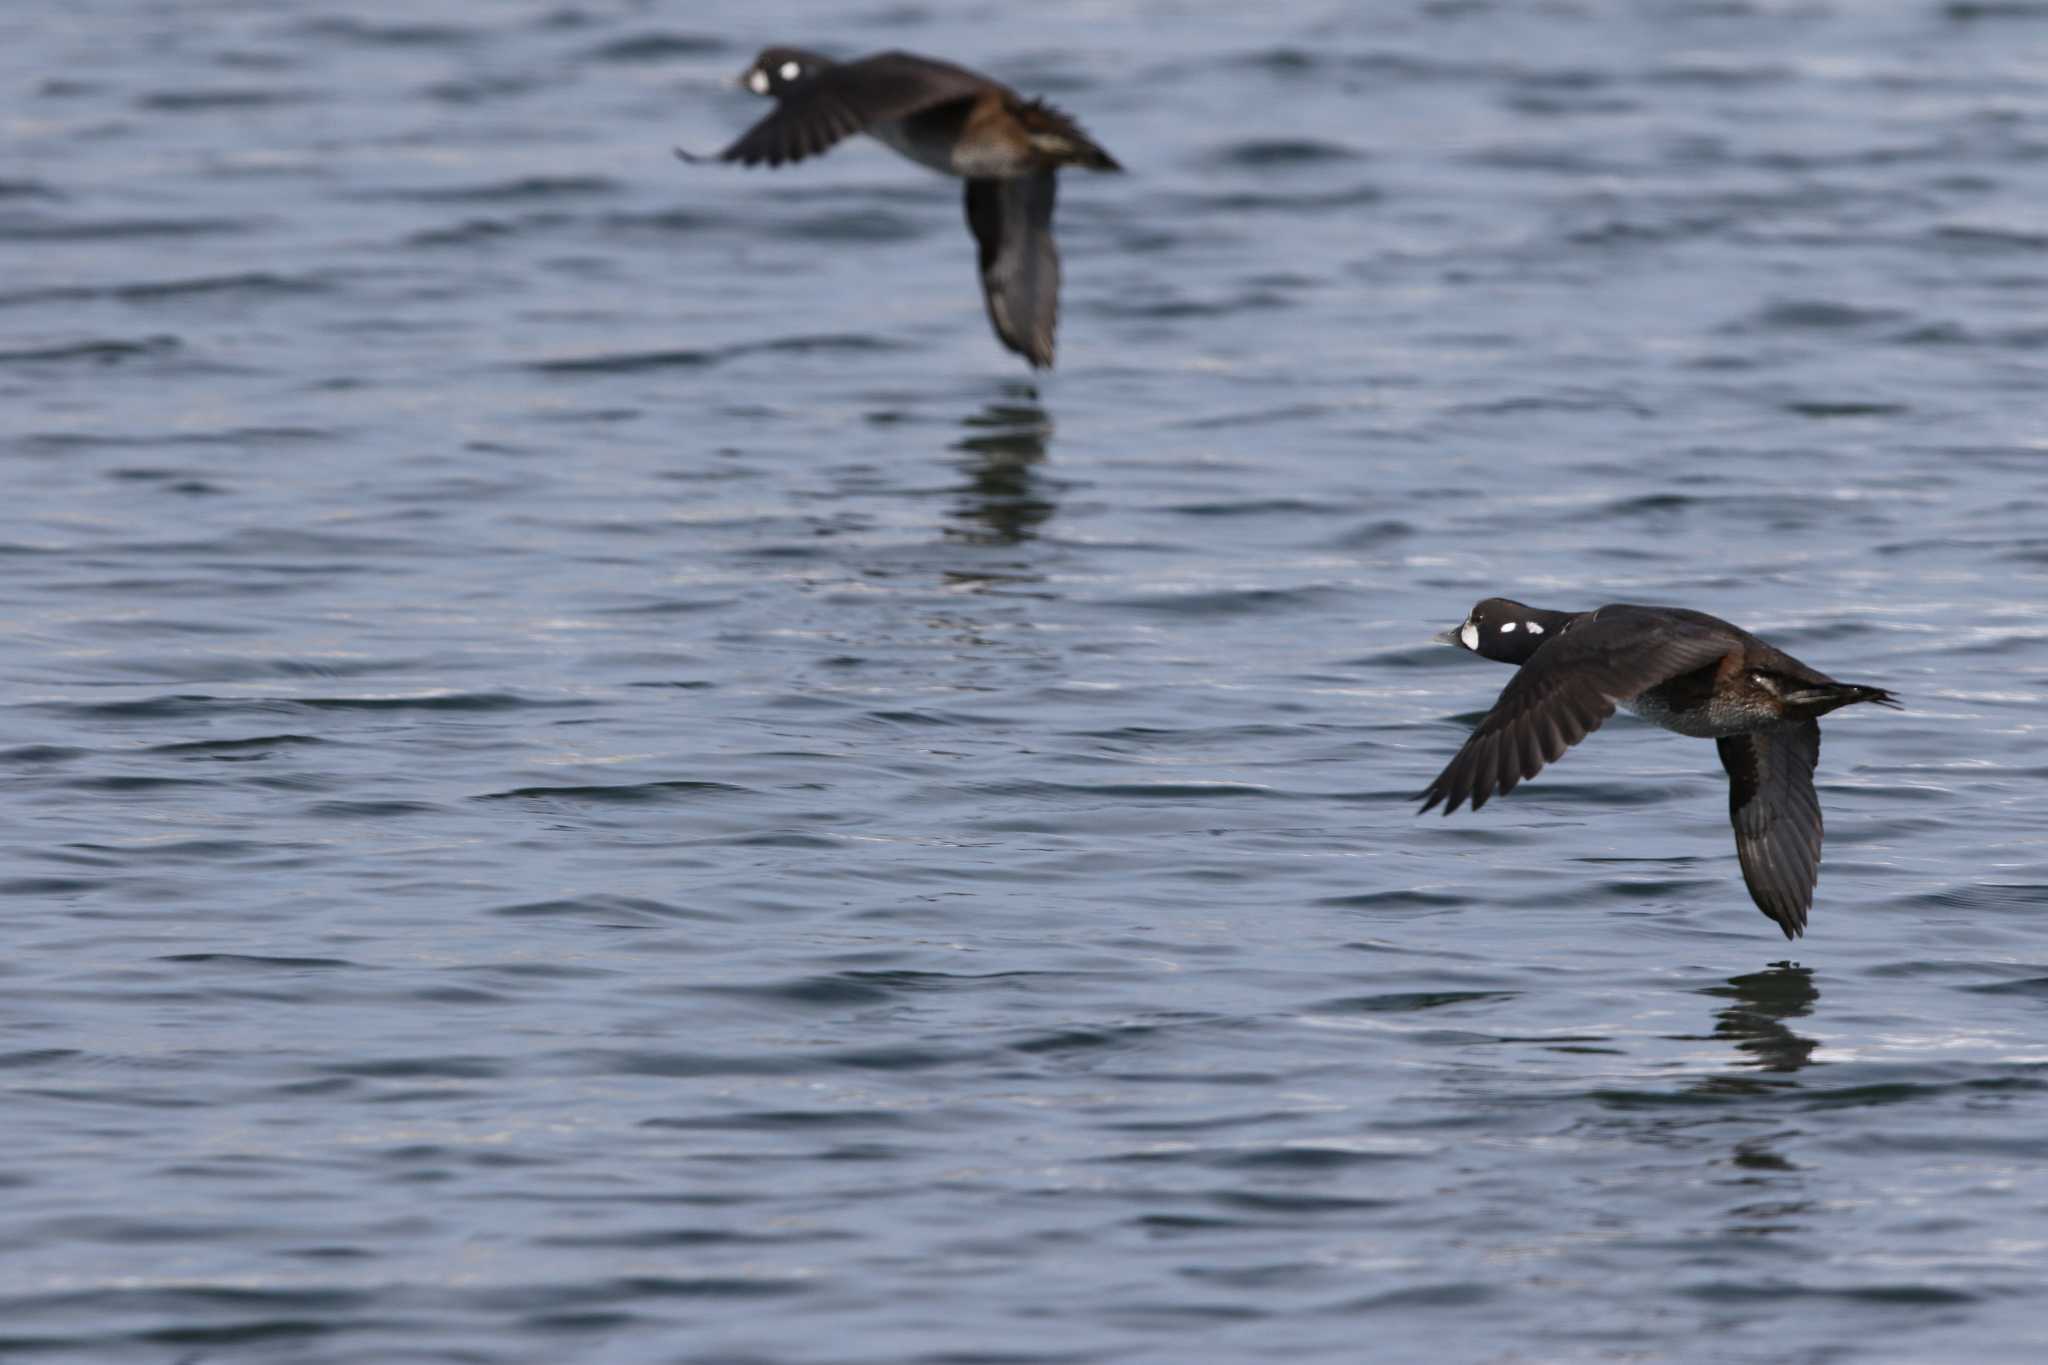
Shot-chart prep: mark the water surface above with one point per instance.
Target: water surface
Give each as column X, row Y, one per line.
column 594, row 773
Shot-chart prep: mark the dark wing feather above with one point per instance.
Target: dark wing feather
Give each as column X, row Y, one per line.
column 1777, row 818
column 1020, row 266
column 1566, row 691
column 842, row 100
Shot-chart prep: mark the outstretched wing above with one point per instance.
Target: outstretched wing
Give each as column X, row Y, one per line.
column 1777, row 818
column 1020, row 266
column 1566, row 691
column 842, row 100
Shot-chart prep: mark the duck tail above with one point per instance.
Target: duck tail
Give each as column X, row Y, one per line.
column 1822, row 698
column 1056, row 136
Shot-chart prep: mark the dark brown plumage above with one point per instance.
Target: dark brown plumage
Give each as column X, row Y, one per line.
column 957, row 122
column 1685, row 671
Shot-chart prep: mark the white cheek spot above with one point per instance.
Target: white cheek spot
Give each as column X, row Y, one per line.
column 1469, row 633
column 790, row 71
column 1508, row 629
column 1532, row 627
column 757, row 81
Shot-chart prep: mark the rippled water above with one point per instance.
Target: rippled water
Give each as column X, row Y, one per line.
column 592, row 774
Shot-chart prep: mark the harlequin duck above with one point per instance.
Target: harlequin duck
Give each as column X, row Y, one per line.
column 957, row 122
column 1683, row 670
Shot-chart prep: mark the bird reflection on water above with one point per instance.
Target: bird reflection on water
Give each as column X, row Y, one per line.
column 1762, row 1001
column 1004, row 501
column 1754, row 1020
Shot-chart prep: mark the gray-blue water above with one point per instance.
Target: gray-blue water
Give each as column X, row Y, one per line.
column 591, row 773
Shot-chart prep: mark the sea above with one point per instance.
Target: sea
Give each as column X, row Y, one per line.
column 591, row 772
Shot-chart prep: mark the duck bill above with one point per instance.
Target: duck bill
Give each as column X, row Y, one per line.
column 1448, row 637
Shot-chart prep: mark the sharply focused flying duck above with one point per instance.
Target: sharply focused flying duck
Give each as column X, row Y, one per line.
column 1683, row 670
column 957, row 122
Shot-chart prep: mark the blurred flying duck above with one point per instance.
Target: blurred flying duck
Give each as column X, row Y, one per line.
column 957, row 122
column 1683, row 670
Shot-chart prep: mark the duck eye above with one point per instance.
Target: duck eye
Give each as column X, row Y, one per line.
column 790, row 71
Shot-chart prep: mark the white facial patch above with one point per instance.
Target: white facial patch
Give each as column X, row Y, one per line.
column 790, row 71
column 1469, row 633
column 1532, row 627
column 1508, row 629
column 757, row 81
